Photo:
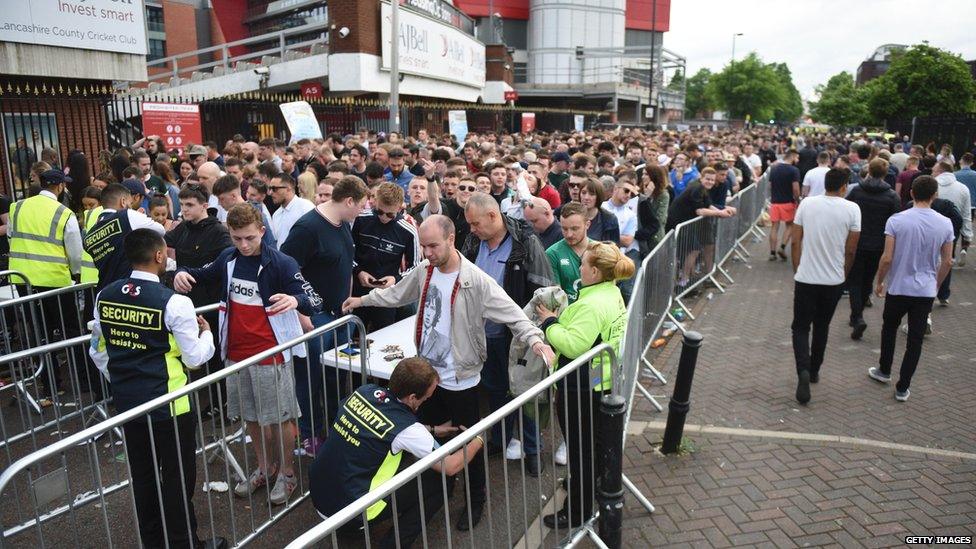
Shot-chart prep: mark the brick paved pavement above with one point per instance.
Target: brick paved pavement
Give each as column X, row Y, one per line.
column 744, row 490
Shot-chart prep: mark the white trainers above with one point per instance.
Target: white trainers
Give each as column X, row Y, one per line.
column 283, row 488
column 961, row 258
column 256, row 480
column 514, row 450
column 561, row 454
column 875, row 374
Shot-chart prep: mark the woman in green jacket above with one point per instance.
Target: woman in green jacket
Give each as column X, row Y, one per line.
column 597, row 316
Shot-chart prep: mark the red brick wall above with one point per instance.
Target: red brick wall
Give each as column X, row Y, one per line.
column 363, row 20
column 180, row 22
column 80, row 123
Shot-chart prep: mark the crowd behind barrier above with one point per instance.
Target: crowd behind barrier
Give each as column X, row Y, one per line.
column 86, row 463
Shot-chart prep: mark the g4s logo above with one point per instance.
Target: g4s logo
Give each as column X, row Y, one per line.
column 131, row 289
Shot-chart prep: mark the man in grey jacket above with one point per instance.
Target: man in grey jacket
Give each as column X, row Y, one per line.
column 461, row 297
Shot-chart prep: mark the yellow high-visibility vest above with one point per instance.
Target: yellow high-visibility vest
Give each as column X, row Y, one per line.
column 36, row 233
column 89, row 273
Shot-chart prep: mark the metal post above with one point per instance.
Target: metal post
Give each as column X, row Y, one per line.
column 395, row 67
column 679, row 405
column 610, row 495
column 650, row 82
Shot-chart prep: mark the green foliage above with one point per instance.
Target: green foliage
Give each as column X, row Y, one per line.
column 841, row 104
column 751, row 87
column 697, row 101
column 922, row 81
column 677, row 81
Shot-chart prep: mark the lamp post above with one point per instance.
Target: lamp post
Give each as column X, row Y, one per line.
column 732, row 64
column 395, row 66
column 734, row 35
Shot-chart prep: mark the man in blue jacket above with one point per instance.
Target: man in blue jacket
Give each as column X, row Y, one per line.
column 262, row 292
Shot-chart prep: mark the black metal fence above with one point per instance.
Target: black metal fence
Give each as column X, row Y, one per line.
column 94, row 119
column 958, row 130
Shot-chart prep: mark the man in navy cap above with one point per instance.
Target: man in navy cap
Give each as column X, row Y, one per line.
column 140, row 197
column 45, row 245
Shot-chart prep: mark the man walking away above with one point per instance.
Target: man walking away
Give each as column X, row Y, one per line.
column 967, row 176
column 784, row 191
column 958, row 194
column 917, row 258
column 825, row 235
column 877, row 202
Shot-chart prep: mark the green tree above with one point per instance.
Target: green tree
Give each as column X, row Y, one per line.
column 840, row 102
column 791, row 108
column 922, row 81
column 697, row 101
column 748, row 87
column 677, row 81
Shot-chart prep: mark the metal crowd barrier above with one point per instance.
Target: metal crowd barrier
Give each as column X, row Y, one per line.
column 81, row 485
column 516, row 502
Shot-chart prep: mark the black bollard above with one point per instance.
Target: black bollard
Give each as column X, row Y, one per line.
column 610, row 492
column 678, row 407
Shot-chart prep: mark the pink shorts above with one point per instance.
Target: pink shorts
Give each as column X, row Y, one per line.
column 782, row 212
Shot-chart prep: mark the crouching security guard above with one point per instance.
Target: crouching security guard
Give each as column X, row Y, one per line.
column 365, row 446
column 143, row 335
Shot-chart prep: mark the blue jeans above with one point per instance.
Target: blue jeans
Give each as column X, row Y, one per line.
column 313, row 381
column 494, row 382
column 627, row 286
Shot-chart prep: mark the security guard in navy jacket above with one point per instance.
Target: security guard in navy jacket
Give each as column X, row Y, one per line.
column 365, row 446
column 143, row 336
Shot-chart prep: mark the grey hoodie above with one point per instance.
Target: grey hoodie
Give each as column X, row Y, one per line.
column 952, row 190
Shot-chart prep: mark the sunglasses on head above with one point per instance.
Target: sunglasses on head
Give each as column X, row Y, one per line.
column 193, row 186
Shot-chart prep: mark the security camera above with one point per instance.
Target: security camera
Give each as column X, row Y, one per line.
column 343, row 32
column 262, row 71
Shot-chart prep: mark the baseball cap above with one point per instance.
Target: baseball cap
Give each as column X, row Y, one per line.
column 196, row 150
column 135, row 186
column 560, row 157
column 54, row 177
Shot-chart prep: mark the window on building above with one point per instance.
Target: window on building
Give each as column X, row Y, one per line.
column 154, row 19
column 520, row 73
column 157, row 49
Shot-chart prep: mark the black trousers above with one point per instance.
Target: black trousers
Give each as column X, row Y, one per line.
column 861, row 279
column 408, row 508
column 896, row 307
column 59, row 320
column 576, row 411
column 173, row 472
column 813, row 305
column 460, row 407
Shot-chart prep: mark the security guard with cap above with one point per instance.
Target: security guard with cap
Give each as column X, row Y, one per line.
column 45, row 245
column 45, row 239
column 375, row 425
column 142, row 337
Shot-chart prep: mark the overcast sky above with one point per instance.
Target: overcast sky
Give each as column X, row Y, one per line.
column 816, row 38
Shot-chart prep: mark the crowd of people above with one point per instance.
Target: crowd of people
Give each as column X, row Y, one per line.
column 461, row 236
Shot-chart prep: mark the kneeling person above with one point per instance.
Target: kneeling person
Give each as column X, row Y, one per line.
column 365, row 446
column 261, row 293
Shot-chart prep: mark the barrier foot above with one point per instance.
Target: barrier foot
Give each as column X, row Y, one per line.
column 641, row 498
column 99, row 414
column 595, row 538
column 726, row 275
column 741, row 250
column 716, row 284
column 647, row 394
column 25, row 394
column 651, row 371
column 222, row 451
column 758, row 233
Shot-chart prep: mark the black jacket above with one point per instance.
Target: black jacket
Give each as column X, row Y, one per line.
column 196, row 245
column 808, row 160
column 949, row 209
column 527, row 268
column 877, row 201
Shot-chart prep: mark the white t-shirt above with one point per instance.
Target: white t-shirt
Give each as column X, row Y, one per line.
column 415, row 439
column 826, row 221
column 285, row 217
column 814, row 179
column 627, row 220
column 754, row 162
column 435, row 331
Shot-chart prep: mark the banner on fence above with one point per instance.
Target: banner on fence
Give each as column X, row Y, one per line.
column 578, row 122
column 458, row 124
column 301, row 120
column 176, row 124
